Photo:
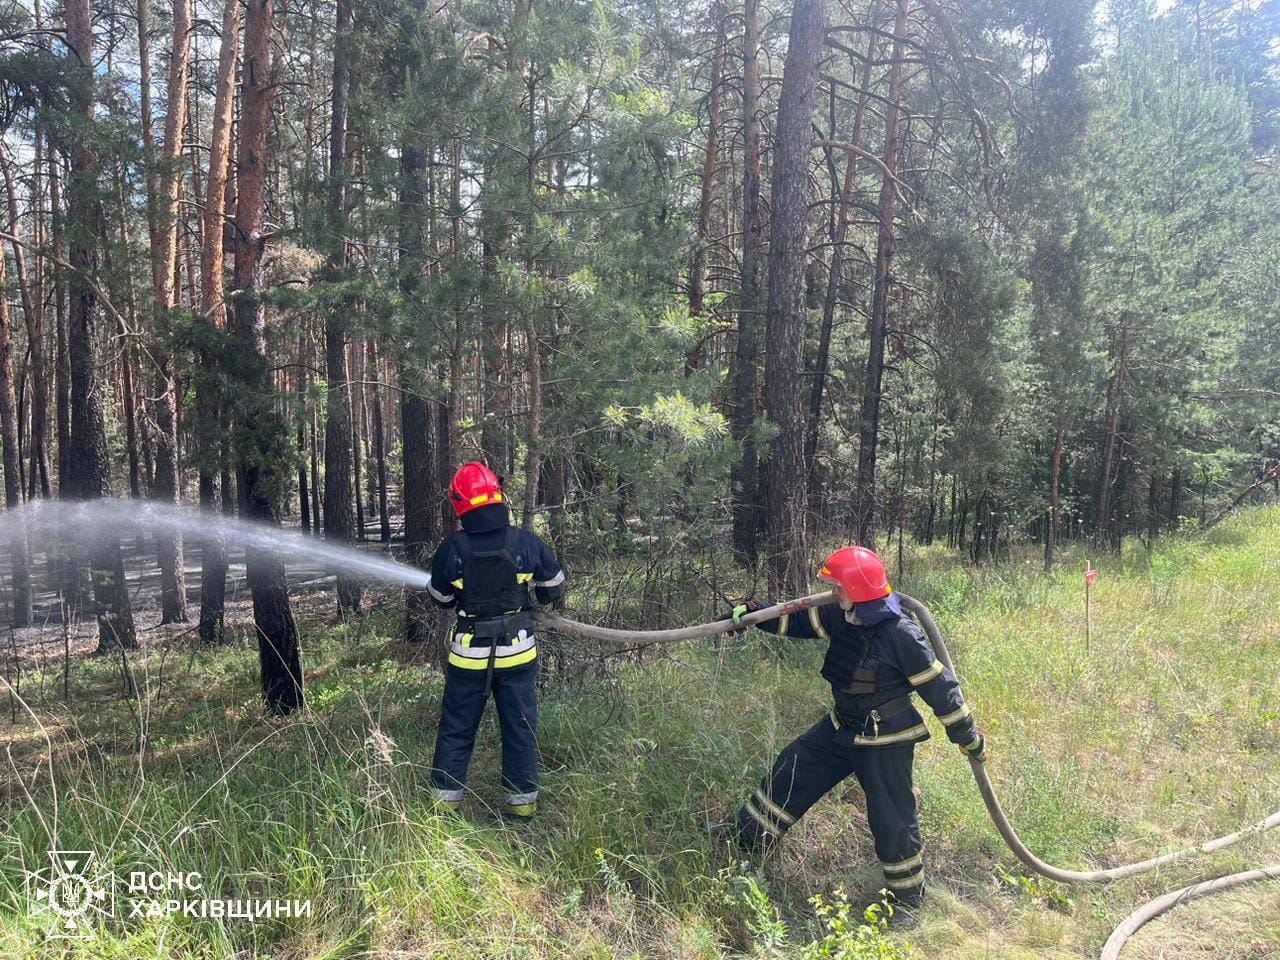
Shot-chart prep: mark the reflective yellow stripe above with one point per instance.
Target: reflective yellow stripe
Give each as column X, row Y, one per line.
column 911, row 733
column 465, row 638
column 524, row 577
column 960, row 714
column 778, row 813
column 521, row 809
column 924, row 676
column 906, row 884
column 767, row 825
column 486, row 498
column 782, row 623
column 973, row 745
column 458, row 583
column 902, row 866
column 817, row 623
column 499, row 663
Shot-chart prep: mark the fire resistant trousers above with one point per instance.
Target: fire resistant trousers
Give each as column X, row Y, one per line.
column 515, row 694
column 816, row 761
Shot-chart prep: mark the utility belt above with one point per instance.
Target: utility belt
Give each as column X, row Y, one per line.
column 483, row 643
column 497, row 631
column 844, row 719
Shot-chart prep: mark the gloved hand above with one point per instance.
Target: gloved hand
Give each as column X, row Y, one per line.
column 737, row 613
column 977, row 750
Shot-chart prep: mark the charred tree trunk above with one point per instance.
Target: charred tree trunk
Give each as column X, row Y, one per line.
column 1175, row 499
column 33, row 317
column 62, row 332
column 18, row 549
column 743, row 373
column 210, row 404
column 89, row 465
column 415, row 409
column 533, row 343
column 784, row 345
column 300, row 415
column 379, row 446
column 339, row 517
column 869, row 427
column 419, row 505
column 129, row 394
column 260, row 432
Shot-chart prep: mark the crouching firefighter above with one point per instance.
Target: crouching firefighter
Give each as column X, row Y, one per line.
column 486, row 570
column 876, row 659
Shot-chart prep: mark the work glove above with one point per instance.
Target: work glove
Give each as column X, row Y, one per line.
column 977, row 750
column 737, row 613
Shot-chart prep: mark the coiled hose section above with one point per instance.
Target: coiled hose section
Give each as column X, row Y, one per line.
column 1111, row 951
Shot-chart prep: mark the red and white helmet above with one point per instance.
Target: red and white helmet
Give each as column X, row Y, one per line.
column 859, row 571
column 474, row 485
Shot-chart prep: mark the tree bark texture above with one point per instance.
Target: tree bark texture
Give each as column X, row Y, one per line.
column 339, row 516
column 173, row 584
column 33, row 317
column 209, row 400
column 743, row 374
column 260, row 431
column 784, row 336
column 89, row 465
column 836, row 270
column 869, row 426
column 18, row 550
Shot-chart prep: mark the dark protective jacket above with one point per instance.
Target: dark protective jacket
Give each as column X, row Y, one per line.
column 498, row 617
column 873, row 668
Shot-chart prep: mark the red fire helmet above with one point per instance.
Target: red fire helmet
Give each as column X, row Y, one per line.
column 474, row 485
column 859, row 571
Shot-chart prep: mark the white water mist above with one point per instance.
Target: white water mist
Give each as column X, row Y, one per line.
column 51, row 523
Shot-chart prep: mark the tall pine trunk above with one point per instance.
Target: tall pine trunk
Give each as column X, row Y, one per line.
column 379, row 446
column 835, row 273
column 784, row 338
column 339, row 518
column 869, row 426
column 18, row 549
column 419, row 488
column 209, row 426
column 89, row 463
column 173, row 584
column 743, row 373
column 33, row 317
column 260, row 431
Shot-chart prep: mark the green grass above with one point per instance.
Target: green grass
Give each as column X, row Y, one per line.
column 1166, row 732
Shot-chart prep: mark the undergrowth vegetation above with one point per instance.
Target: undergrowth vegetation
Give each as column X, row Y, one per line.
column 1161, row 730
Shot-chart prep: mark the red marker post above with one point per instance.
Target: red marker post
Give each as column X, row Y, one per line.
column 1090, row 575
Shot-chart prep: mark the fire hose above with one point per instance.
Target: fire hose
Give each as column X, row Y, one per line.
column 1128, row 927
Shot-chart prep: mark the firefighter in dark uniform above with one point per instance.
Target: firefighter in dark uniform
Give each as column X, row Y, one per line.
column 876, row 658
column 486, row 570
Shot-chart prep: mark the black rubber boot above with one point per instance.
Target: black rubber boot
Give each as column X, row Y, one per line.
column 907, row 906
column 730, row 832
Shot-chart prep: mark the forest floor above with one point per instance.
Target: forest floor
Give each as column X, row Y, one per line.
column 1163, row 731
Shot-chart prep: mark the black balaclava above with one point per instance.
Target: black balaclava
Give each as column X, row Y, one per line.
column 492, row 516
